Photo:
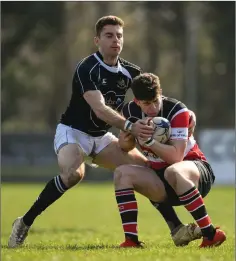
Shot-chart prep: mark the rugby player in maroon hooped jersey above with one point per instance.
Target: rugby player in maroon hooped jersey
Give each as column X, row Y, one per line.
column 179, row 172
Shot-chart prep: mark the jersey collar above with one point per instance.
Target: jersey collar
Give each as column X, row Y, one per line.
column 114, row 69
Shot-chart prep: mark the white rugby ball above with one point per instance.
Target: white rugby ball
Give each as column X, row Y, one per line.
column 162, row 129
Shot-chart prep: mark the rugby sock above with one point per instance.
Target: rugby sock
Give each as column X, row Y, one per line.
column 193, row 202
column 54, row 189
column 128, row 208
column 168, row 213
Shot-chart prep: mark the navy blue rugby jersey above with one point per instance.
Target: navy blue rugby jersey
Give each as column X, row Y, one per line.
column 170, row 107
column 93, row 74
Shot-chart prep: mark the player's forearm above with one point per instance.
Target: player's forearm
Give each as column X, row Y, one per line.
column 166, row 152
column 111, row 117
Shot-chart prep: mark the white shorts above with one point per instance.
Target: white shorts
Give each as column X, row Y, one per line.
column 90, row 145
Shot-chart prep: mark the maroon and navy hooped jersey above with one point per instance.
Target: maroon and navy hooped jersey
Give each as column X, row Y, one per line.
column 178, row 115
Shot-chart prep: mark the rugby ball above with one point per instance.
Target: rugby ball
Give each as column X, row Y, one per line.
column 162, row 129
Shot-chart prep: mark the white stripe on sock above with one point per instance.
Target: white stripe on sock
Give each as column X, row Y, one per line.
column 193, row 200
column 205, row 226
column 59, row 184
column 202, row 218
column 129, row 223
column 187, row 195
column 128, row 210
column 131, row 233
column 126, row 202
column 125, row 194
column 55, row 180
column 196, row 208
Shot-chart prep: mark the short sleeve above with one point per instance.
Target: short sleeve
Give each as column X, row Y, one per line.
column 179, row 125
column 83, row 78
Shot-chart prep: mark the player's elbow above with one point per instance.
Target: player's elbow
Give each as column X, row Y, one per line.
column 99, row 111
column 176, row 154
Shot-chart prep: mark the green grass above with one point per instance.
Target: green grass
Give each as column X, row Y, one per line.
column 85, row 225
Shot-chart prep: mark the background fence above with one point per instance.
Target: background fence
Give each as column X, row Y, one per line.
column 31, row 158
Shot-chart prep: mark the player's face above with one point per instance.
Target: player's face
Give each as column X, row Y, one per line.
column 110, row 41
column 151, row 108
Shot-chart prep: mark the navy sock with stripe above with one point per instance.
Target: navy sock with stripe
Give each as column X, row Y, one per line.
column 54, row 189
column 168, row 213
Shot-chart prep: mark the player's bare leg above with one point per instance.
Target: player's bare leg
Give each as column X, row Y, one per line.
column 128, row 178
column 71, row 164
column 112, row 156
column 184, row 177
column 70, row 160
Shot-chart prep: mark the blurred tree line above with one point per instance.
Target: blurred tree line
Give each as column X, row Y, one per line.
column 190, row 45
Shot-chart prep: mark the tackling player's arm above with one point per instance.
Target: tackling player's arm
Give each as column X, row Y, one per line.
column 96, row 101
column 126, row 140
column 173, row 152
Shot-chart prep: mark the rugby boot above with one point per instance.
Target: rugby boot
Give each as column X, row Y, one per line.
column 184, row 234
column 130, row 243
column 217, row 240
column 18, row 234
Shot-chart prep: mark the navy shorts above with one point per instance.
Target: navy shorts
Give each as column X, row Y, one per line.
column 206, row 180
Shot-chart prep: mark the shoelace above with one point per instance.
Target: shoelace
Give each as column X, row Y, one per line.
column 192, row 227
column 21, row 238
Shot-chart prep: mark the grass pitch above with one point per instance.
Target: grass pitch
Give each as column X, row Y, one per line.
column 85, row 225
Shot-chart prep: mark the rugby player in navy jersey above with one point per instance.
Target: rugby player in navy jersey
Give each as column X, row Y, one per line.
column 179, row 173
column 99, row 86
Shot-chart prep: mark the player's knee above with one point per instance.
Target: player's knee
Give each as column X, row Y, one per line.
column 73, row 175
column 172, row 175
column 72, row 178
column 118, row 175
column 122, row 175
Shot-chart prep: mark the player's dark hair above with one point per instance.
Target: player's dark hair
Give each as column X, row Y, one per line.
column 146, row 87
column 107, row 20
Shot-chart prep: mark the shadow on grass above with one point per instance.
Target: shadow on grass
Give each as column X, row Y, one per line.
column 61, row 230
column 40, row 231
column 69, row 247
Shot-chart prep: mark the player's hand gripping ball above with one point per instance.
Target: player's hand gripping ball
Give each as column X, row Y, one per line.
column 162, row 129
